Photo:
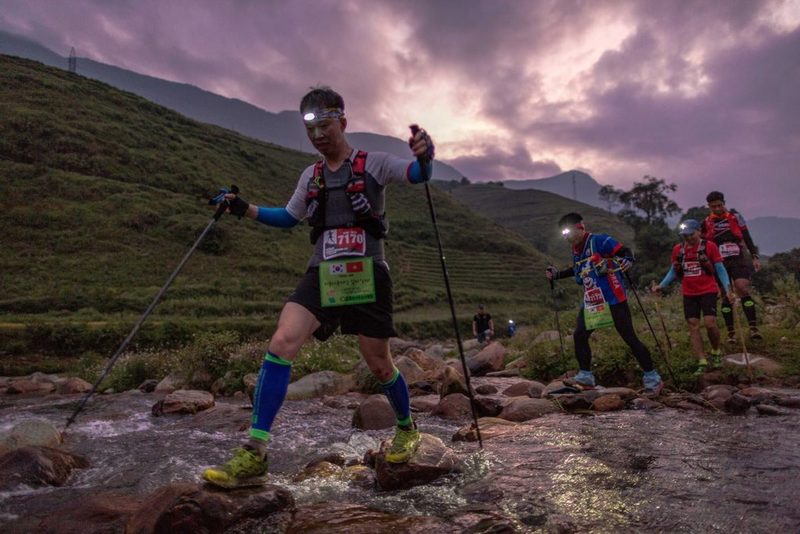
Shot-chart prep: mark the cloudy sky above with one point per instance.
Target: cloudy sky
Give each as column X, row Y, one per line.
column 702, row 93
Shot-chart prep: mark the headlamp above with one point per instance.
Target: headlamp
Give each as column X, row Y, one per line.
column 318, row 115
column 682, row 226
column 565, row 232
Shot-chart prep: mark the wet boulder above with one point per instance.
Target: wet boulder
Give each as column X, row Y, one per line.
column 455, row 406
column 148, row 386
column 410, row 370
column 24, row 386
column 189, row 508
column 425, row 361
column 435, row 352
column 576, row 402
column 184, row 401
column 625, row 394
column 30, row 433
column 424, row 403
column 72, row 385
column 488, row 360
column 489, row 405
column 93, row 513
column 37, row 466
column 321, row 469
column 374, row 413
column 536, row 390
column 737, row 404
column 451, row 381
column 608, row 403
column 432, row 460
column 524, row 408
column 400, row 346
column 171, row 382
column 320, row 384
column 486, row 389
column 519, row 388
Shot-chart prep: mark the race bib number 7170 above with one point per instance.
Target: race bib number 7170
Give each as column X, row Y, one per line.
column 338, row 242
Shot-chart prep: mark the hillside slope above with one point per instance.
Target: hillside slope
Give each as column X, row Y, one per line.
column 103, row 192
column 586, row 187
column 534, row 214
column 283, row 128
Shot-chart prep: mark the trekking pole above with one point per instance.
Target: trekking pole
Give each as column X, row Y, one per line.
column 663, row 324
column 423, row 161
column 737, row 325
column 220, row 211
column 652, row 330
column 558, row 325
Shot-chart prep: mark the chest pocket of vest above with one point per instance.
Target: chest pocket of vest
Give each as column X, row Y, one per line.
column 360, row 197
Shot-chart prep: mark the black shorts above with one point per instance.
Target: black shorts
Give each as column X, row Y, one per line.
column 738, row 267
column 694, row 304
column 371, row 320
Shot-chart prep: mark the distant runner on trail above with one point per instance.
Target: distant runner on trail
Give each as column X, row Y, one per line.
column 695, row 262
column 482, row 325
column 347, row 282
column 598, row 260
column 728, row 230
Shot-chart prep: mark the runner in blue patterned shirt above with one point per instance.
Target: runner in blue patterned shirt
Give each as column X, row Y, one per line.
column 598, row 263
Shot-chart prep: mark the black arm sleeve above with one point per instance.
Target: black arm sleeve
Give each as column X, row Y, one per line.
column 565, row 273
column 748, row 240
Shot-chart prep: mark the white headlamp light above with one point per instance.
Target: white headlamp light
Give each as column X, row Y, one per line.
column 319, row 115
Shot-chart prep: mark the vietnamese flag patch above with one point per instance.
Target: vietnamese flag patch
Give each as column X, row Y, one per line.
column 355, row 267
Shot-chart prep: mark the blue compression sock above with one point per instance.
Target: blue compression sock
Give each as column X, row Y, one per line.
column 273, row 381
column 396, row 391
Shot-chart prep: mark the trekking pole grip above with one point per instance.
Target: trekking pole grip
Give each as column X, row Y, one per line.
column 422, row 160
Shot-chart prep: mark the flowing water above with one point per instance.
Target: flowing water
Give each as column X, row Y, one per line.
column 659, row 471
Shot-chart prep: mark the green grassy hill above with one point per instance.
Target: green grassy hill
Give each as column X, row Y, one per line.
column 534, row 214
column 103, row 192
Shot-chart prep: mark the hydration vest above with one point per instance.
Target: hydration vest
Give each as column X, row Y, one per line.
column 372, row 222
column 702, row 259
column 716, row 226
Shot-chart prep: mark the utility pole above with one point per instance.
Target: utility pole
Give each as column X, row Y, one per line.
column 72, row 62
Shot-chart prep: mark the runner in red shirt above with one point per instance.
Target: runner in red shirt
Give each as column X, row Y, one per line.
column 695, row 262
column 728, row 230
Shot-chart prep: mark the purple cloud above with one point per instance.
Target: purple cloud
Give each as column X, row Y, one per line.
column 700, row 93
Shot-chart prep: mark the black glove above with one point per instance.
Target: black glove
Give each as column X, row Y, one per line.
column 238, row 206
column 552, row 270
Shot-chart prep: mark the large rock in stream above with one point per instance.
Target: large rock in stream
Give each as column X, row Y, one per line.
column 487, row 360
column 188, row 401
column 29, row 433
column 432, row 460
column 189, row 508
column 319, row 385
column 37, row 466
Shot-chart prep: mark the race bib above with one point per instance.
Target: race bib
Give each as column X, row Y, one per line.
column 726, row 250
column 596, row 311
column 692, row 268
column 338, row 242
column 592, row 296
column 346, row 282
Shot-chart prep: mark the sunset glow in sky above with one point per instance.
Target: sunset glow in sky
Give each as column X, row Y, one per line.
column 703, row 93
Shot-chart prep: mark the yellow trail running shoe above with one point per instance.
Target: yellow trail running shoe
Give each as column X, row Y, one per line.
column 246, row 468
column 404, row 445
